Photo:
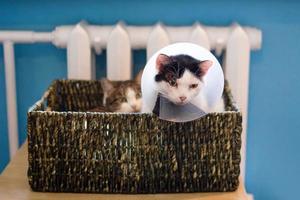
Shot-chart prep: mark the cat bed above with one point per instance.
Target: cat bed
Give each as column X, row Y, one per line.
column 71, row 150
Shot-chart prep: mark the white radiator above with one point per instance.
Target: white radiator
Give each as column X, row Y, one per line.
column 82, row 40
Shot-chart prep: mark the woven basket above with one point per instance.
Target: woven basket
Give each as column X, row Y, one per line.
column 75, row 151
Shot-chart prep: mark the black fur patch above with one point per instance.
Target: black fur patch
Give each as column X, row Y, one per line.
column 176, row 66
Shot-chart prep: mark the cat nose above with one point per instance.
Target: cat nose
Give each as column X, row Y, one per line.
column 134, row 107
column 182, row 98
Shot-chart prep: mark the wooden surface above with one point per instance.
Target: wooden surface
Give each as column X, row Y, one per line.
column 14, row 185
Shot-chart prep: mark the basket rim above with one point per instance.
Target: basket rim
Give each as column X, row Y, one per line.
column 38, row 105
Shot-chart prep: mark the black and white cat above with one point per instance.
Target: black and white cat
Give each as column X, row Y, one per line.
column 179, row 80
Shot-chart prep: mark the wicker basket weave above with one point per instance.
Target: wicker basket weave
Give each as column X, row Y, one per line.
column 75, row 151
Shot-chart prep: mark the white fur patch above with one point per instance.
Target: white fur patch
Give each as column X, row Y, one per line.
column 183, row 88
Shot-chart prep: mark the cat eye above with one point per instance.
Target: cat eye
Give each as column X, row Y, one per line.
column 193, row 86
column 138, row 95
column 114, row 101
column 173, row 83
column 118, row 100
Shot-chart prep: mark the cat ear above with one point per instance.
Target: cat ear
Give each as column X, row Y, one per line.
column 162, row 60
column 138, row 77
column 204, row 66
column 107, row 85
column 108, row 88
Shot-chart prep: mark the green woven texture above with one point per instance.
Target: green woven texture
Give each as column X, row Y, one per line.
column 71, row 150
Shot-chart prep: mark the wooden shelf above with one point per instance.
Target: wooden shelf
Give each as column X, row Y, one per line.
column 14, row 185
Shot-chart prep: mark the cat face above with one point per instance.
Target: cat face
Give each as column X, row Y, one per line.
column 122, row 96
column 179, row 78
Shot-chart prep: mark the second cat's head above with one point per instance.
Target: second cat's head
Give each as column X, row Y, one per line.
column 122, row 96
column 180, row 77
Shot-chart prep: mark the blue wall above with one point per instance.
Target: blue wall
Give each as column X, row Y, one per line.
column 273, row 156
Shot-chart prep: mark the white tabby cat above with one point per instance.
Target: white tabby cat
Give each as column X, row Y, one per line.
column 122, row 96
